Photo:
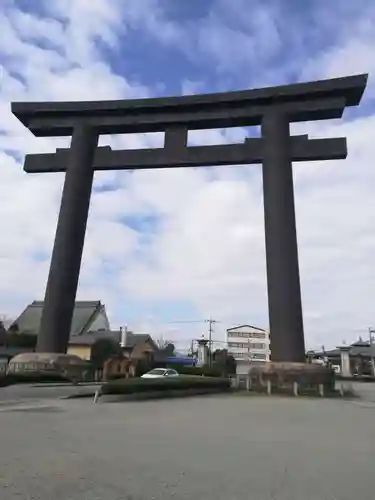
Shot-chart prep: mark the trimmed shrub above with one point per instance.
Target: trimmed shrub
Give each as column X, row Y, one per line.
column 141, row 385
column 143, row 366
column 358, row 378
column 197, row 370
column 116, row 376
column 186, row 370
column 32, row 378
column 215, row 370
column 20, row 340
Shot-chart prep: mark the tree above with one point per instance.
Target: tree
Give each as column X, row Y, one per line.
column 103, row 349
column 163, row 343
column 166, row 347
column 224, row 362
column 6, row 320
column 11, row 336
column 14, row 328
column 15, row 339
column 169, row 349
column 3, row 333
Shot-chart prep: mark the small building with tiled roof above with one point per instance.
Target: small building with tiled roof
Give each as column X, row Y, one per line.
column 89, row 324
column 87, row 316
column 89, row 319
column 359, row 348
column 135, row 345
column 361, row 355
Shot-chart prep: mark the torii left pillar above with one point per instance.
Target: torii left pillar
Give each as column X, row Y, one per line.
column 66, row 259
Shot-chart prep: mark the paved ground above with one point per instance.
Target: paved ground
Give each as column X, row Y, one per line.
column 226, row 447
column 365, row 390
column 39, row 392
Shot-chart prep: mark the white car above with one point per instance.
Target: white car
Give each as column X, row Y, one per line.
column 160, row 373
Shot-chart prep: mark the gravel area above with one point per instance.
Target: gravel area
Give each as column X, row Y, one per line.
column 219, row 447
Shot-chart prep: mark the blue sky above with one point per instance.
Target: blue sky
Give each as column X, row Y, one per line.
column 186, row 244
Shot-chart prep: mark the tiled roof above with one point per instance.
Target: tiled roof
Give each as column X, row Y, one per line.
column 358, row 348
column 84, row 311
column 248, row 326
column 137, row 338
column 363, row 348
column 89, row 338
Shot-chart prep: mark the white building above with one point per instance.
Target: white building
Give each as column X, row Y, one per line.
column 248, row 344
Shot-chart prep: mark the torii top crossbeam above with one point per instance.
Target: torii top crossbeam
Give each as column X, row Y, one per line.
column 301, row 102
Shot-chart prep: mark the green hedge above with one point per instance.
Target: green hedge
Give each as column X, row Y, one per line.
column 358, row 378
column 196, row 370
column 139, row 385
column 186, row 370
column 20, row 340
column 31, row 378
column 116, row 376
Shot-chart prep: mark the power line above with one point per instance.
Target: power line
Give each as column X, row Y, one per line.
column 210, row 322
column 189, row 321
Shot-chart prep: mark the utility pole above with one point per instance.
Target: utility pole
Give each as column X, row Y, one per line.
column 192, row 348
column 210, row 322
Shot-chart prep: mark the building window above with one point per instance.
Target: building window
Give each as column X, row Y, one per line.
column 237, row 344
column 246, row 345
column 258, row 345
column 245, row 355
column 240, row 354
column 247, row 335
column 258, row 335
column 258, row 355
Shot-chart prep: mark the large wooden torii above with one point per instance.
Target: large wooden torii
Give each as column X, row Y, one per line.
column 273, row 108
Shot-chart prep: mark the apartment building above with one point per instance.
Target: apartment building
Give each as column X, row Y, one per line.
column 248, row 344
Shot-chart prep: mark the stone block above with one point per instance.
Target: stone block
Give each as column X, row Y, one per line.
column 283, row 375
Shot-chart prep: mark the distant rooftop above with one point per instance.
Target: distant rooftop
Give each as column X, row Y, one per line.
column 89, row 338
column 360, row 347
column 84, row 313
column 245, row 326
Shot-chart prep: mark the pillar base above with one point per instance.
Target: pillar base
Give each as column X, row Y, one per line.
column 47, row 365
column 283, row 375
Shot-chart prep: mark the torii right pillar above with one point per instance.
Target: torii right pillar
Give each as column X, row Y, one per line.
column 283, row 281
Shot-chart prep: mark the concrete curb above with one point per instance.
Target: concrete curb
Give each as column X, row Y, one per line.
column 148, row 396
column 79, row 395
column 67, row 384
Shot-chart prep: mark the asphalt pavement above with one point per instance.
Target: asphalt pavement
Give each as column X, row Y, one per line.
column 218, row 447
column 39, row 392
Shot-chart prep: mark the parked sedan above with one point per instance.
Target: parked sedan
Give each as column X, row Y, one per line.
column 160, row 373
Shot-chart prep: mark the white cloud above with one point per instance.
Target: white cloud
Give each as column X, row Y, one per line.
column 208, row 245
column 352, row 51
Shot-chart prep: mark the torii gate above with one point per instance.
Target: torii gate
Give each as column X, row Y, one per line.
column 273, row 108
